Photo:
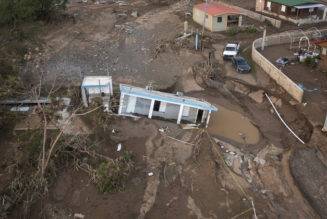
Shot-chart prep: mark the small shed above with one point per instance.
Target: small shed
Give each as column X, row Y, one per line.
column 145, row 101
column 218, row 17
column 97, row 86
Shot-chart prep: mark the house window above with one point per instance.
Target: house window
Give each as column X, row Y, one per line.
column 156, row 106
column 219, row 19
column 311, row 10
column 283, row 9
column 324, row 51
column 206, row 16
column 269, row 5
column 293, row 9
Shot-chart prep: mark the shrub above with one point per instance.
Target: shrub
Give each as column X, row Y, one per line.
column 111, row 177
column 232, row 32
column 309, row 62
column 268, row 22
column 251, row 29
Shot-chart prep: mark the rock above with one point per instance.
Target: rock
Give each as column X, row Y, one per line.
column 279, row 103
column 240, row 88
column 257, row 96
column 293, row 102
column 272, row 110
column 135, row 14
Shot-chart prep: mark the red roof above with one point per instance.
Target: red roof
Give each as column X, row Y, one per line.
column 217, row 9
column 321, row 41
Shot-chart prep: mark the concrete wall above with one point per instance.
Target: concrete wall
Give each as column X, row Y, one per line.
column 281, row 79
column 198, row 18
column 222, row 26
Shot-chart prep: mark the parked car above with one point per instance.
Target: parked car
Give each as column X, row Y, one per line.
column 231, row 50
column 241, row 65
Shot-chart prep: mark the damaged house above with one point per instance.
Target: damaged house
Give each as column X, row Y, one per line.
column 95, row 87
column 145, row 101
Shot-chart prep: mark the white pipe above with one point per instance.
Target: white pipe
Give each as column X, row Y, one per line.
column 281, row 119
column 180, row 140
column 255, row 214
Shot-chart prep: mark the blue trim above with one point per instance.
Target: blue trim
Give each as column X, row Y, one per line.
column 88, row 86
column 168, row 99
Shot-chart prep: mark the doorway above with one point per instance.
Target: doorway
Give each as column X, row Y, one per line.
column 199, row 116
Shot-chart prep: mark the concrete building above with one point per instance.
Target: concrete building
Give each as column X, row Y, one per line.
column 218, row 17
column 296, row 11
column 97, row 86
column 145, row 101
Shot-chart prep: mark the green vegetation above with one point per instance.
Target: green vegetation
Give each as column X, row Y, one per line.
column 247, row 55
column 310, row 62
column 232, row 32
column 251, row 29
column 110, row 177
column 268, row 22
column 20, row 20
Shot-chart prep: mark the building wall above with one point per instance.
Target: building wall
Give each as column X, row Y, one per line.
column 222, row 26
column 198, row 18
column 259, row 5
column 281, row 79
column 141, row 106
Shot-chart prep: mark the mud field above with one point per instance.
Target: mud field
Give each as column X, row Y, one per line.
column 245, row 155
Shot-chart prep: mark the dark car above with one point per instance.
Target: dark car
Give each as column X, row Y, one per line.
column 241, row 65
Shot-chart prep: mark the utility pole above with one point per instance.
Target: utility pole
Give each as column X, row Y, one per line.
column 204, row 17
column 263, row 39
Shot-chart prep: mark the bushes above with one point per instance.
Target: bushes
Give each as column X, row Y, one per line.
column 268, row 22
column 232, row 32
column 14, row 12
column 110, row 177
column 251, row 29
column 309, row 62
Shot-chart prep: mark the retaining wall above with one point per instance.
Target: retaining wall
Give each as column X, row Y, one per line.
column 281, row 79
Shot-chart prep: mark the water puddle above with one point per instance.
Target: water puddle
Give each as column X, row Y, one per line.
column 233, row 125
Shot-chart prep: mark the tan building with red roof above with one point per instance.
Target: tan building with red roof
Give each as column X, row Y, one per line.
column 218, row 17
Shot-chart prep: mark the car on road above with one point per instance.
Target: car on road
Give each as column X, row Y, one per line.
column 241, row 65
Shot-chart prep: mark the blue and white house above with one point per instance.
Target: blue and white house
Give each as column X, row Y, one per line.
column 97, row 86
column 151, row 103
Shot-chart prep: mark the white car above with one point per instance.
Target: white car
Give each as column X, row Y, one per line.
column 231, row 50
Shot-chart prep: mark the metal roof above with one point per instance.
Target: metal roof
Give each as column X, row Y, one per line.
column 292, row 3
column 167, row 97
column 214, row 9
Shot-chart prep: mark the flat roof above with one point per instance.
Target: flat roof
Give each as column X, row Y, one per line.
column 292, row 3
column 214, row 9
column 167, row 97
column 96, row 81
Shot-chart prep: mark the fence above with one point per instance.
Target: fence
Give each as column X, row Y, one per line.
column 287, row 37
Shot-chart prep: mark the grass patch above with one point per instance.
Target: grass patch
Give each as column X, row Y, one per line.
column 232, row 32
column 251, row 29
column 247, row 55
column 268, row 22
